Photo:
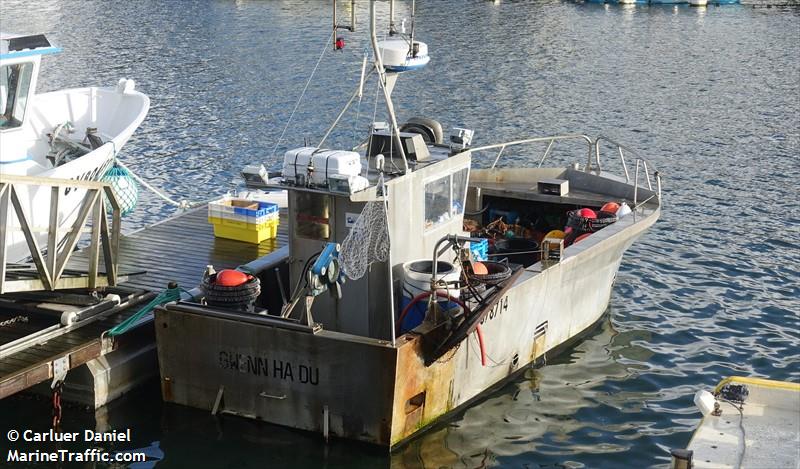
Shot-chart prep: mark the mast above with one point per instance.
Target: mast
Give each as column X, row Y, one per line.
column 398, row 147
column 413, row 12
column 391, row 17
column 351, row 27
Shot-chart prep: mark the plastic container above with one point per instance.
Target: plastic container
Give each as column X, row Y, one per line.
column 242, row 231
column 325, row 163
column 243, row 210
column 479, row 249
column 416, row 280
column 518, row 250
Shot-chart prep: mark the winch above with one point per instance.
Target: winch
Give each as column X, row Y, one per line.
column 326, row 274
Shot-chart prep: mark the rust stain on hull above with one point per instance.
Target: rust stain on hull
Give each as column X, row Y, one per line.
column 421, row 394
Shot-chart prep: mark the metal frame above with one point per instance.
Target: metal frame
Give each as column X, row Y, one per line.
column 594, row 153
column 551, row 141
column 51, row 268
column 640, row 162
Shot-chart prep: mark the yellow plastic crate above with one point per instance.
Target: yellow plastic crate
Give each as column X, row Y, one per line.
column 242, row 231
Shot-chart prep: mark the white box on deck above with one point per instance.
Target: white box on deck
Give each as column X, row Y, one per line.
column 558, row 187
column 325, row 163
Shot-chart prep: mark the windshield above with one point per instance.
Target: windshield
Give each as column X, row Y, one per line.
column 15, row 81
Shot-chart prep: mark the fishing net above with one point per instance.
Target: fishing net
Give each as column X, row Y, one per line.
column 367, row 242
column 124, row 187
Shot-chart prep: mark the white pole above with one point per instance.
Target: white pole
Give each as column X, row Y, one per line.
column 381, row 79
column 390, row 264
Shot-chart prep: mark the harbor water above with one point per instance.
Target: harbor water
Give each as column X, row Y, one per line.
column 711, row 96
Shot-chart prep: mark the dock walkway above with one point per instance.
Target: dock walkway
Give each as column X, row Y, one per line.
column 177, row 249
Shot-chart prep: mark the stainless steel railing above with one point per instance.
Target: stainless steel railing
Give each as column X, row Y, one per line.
column 550, row 143
column 640, row 163
column 593, row 161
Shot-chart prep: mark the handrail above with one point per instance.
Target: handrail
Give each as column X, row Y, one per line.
column 551, row 140
column 594, row 153
column 51, row 268
column 640, row 162
column 45, row 181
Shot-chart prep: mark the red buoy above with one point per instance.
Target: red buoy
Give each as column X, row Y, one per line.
column 232, row 278
column 479, row 268
column 339, row 44
column 587, row 213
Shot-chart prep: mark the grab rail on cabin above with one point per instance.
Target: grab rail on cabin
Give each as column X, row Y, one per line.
column 550, row 142
column 51, row 269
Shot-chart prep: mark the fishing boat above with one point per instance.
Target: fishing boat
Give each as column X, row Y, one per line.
column 747, row 422
column 419, row 275
column 67, row 134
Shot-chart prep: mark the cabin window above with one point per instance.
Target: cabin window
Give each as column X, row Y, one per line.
column 444, row 197
column 460, row 178
column 15, row 81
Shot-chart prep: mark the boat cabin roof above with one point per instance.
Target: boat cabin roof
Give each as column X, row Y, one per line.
column 17, row 45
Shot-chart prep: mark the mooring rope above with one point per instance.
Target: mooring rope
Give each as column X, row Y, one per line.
column 184, row 204
column 167, row 296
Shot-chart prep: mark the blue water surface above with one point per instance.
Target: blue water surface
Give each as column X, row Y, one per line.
column 711, row 96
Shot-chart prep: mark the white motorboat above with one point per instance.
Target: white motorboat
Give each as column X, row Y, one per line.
column 67, row 134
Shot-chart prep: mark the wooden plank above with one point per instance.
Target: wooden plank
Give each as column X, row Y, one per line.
column 23, row 380
column 42, row 371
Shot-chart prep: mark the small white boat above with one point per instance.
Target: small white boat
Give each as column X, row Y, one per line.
column 747, row 422
column 66, row 134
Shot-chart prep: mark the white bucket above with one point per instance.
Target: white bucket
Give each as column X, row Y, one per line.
column 417, row 277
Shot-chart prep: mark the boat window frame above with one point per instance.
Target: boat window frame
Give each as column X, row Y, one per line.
column 15, row 102
column 452, row 209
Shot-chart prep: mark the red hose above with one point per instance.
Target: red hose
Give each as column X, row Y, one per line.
column 480, row 343
column 440, row 294
column 424, row 295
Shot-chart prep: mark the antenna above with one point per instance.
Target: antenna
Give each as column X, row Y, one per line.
column 413, row 11
column 392, row 30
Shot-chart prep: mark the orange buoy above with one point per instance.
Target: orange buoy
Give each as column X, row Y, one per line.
column 232, row 278
column 610, row 207
column 479, row 268
column 583, row 236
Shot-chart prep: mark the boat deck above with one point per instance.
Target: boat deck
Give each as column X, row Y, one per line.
column 177, row 249
column 530, row 192
column 763, row 433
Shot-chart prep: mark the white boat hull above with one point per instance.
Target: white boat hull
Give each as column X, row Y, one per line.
column 116, row 114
